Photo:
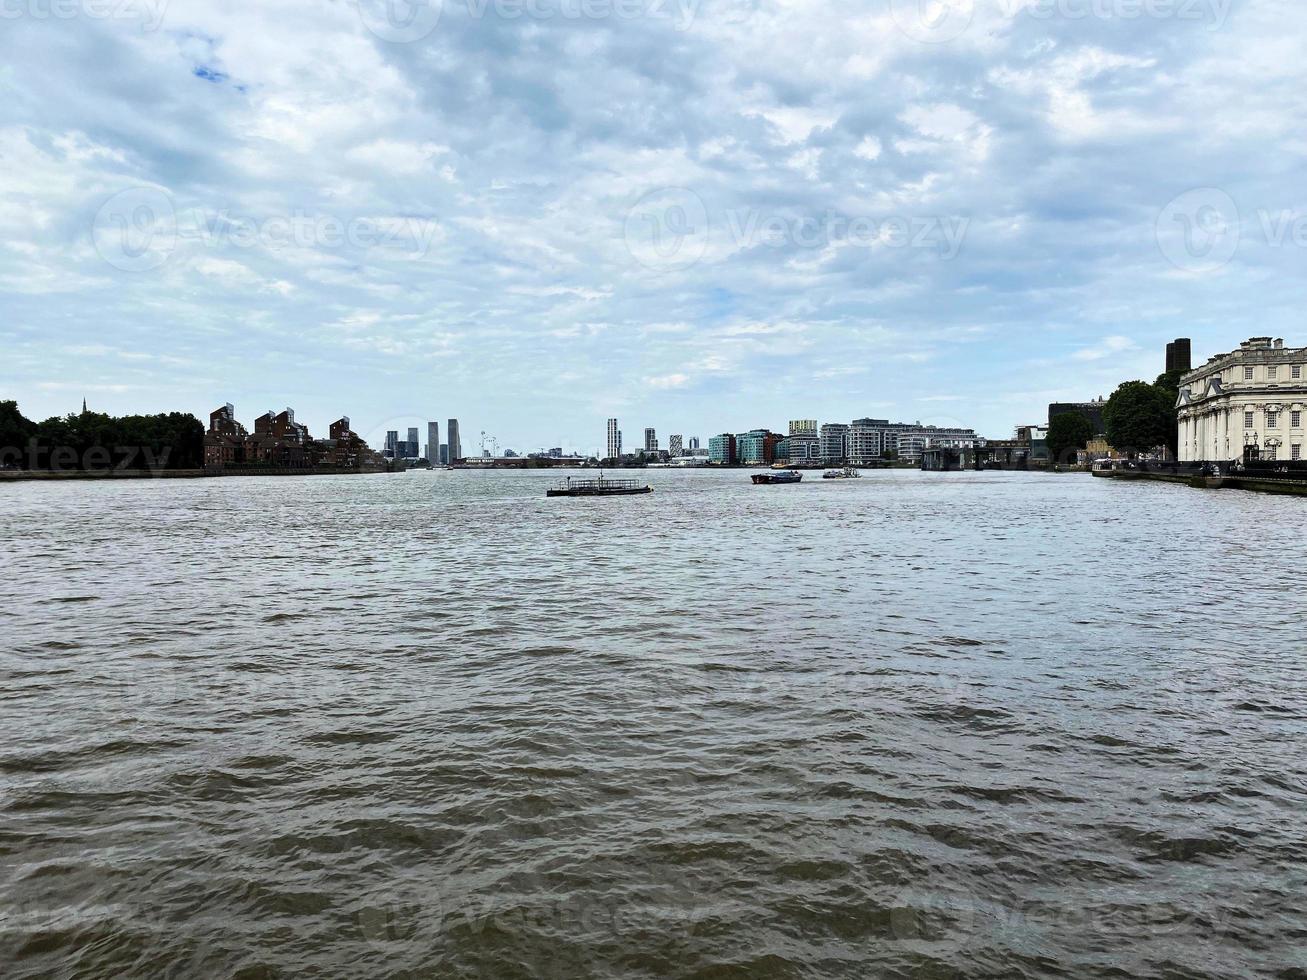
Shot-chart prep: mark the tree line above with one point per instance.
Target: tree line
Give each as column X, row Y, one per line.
column 1138, row 418
column 94, row 441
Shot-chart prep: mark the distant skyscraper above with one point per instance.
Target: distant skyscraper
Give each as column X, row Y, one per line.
column 455, row 443
column 412, row 452
column 674, row 446
column 392, row 443
column 444, row 455
column 650, row 441
column 694, row 443
column 1179, row 356
column 433, row 443
column 614, row 440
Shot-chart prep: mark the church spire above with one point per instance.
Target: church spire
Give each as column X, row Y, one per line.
column 83, row 406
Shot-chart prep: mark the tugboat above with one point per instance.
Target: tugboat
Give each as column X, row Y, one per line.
column 785, row 476
column 848, row 473
column 598, row 488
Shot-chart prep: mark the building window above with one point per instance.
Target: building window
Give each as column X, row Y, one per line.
column 1270, row 452
column 1247, row 420
column 1272, row 419
column 1247, row 373
column 1295, row 420
column 1296, row 451
column 1271, row 372
column 1296, row 371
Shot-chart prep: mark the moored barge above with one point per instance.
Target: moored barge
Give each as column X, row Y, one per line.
column 785, row 476
column 598, row 488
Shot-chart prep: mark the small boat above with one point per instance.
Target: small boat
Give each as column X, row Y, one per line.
column 785, row 476
column 848, row 473
column 598, row 488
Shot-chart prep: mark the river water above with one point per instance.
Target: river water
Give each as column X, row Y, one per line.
column 433, row 724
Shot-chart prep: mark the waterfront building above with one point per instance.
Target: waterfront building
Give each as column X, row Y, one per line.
column 454, row 442
column 433, row 443
column 224, row 443
column 1179, row 355
column 279, row 441
column 411, row 444
column 1248, row 404
column 1092, row 412
column 650, row 441
column 866, row 440
column 804, row 449
column 674, row 447
column 721, row 449
column 834, row 442
column 803, row 427
column 694, row 444
column 444, row 454
column 783, row 451
column 614, row 440
column 756, row 447
column 392, row 444
column 908, row 441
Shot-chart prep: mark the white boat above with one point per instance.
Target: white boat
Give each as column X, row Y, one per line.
column 848, row 473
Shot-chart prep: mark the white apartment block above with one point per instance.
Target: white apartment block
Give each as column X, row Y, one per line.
column 614, row 440
column 1253, row 396
column 804, row 449
column 866, row 441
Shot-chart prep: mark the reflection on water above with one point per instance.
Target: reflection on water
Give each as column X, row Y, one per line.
column 437, row 725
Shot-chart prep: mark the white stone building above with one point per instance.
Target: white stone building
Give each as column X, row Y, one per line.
column 1253, row 396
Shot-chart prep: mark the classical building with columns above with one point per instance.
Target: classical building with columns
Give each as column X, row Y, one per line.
column 1255, row 396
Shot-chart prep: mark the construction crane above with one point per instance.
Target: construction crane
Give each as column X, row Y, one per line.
column 493, row 442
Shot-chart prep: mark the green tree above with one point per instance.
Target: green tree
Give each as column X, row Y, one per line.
column 15, row 430
column 1140, row 417
column 1067, row 432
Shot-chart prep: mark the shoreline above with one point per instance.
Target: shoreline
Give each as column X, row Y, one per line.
column 1292, row 488
column 17, row 476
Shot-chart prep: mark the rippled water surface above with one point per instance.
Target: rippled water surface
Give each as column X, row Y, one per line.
column 982, row 725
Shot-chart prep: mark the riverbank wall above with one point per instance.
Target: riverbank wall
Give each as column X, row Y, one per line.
column 1297, row 488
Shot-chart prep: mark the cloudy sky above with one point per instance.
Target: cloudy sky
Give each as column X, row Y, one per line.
column 701, row 215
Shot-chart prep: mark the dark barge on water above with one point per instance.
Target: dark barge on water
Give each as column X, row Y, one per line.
column 598, row 488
